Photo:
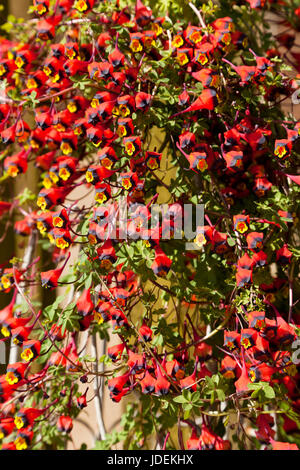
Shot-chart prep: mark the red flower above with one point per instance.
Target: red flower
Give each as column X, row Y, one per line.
column 31, row 350
column 243, row 277
column 248, row 337
column 161, row 264
column 152, row 160
column 83, row 6
column 193, row 443
column 115, row 352
column 190, row 382
column 23, row 439
column 234, row 159
column 106, row 255
column 26, row 416
column 265, row 431
column 162, row 385
column 6, row 427
column 81, row 401
column 241, row 385
column 284, row 255
column 116, row 384
column 107, row 157
column 142, row 100
column 260, row 258
column 96, row 174
column 209, row 440
column 16, row 164
column 245, row 262
column 64, row 424
column 207, row 100
column 46, row 28
column 255, row 241
column 261, row 372
column 232, row 339
column 15, row 372
column 229, row 367
column 148, row 383
column 256, row 319
column 132, row 145
column 145, row 332
column 208, row 77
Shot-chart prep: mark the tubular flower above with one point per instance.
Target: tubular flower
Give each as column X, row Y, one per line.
column 132, row 121
column 64, row 424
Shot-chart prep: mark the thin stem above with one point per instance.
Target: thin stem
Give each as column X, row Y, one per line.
column 27, row 260
column 291, row 292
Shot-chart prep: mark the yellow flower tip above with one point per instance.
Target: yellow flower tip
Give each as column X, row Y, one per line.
column 65, row 148
column 5, row 332
column 13, row 171
column 98, row 318
column 106, row 264
column 252, row 375
column 100, row 198
column 47, row 71
column 129, row 148
column 64, row 174
column 40, row 9
column 136, row 46
column 89, row 176
column 202, row 165
column 177, row 41
column 124, row 110
column 72, row 107
column 121, row 131
column 19, row 422
column 92, row 239
column 242, row 227
column 80, row 5
column 19, row 62
column 200, row 240
column 5, row 282
column 20, row 443
column 152, row 164
column 41, row 227
column 61, row 243
column 42, row 204
column 31, row 83
column 182, row 59
column 58, row 222
column 126, row 183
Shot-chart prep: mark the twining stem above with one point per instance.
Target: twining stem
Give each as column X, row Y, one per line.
column 291, row 274
column 198, row 14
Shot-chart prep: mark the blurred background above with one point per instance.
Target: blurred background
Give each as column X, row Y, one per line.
column 86, row 428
